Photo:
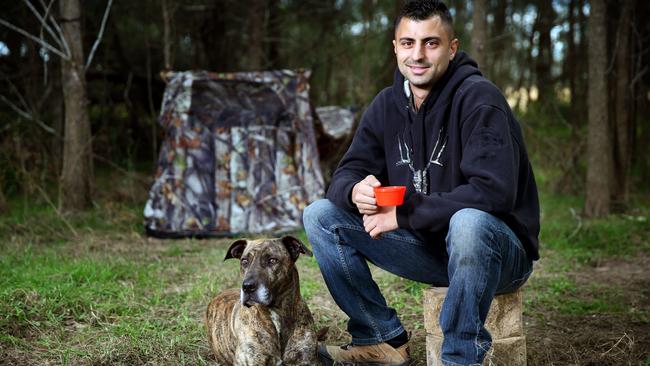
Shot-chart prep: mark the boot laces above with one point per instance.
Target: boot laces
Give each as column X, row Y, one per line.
column 347, row 346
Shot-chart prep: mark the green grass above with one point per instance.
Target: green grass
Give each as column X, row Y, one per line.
column 569, row 244
column 46, row 289
column 562, row 295
column 591, row 240
column 92, row 289
column 128, row 306
column 41, row 223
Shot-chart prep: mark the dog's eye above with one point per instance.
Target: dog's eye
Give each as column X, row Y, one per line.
column 273, row 261
column 244, row 262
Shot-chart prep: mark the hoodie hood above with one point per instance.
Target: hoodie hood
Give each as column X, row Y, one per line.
column 460, row 68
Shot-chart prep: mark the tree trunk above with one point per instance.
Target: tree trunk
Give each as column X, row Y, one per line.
column 274, row 30
column 570, row 65
column 582, row 73
column 77, row 175
column 624, row 129
column 218, row 47
column 641, row 105
column 599, row 150
column 569, row 182
column 390, row 63
column 498, row 45
column 545, row 55
column 167, row 42
column 460, row 7
column 58, row 120
column 4, row 207
column 257, row 27
column 479, row 33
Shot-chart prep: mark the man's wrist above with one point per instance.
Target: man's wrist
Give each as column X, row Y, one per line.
column 402, row 216
column 350, row 194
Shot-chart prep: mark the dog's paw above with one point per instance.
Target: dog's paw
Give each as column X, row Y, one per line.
column 321, row 334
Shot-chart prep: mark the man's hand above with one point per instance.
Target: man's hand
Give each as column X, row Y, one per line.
column 363, row 195
column 383, row 221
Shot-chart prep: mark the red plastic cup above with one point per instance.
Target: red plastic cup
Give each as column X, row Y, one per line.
column 390, row 196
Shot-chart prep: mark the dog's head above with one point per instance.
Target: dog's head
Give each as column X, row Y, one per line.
column 268, row 267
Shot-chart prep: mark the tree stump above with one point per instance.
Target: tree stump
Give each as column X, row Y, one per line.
column 504, row 322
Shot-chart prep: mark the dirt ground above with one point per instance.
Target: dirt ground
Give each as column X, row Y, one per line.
column 619, row 338
column 554, row 338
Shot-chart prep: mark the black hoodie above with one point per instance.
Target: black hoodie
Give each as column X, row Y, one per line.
column 463, row 148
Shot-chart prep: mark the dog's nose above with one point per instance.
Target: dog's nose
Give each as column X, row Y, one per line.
column 249, row 286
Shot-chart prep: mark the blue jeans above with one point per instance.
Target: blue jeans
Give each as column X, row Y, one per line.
column 483, row 257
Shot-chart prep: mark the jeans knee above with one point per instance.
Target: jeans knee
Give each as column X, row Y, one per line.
column 313, row 215
column 469, row 228
column 310, row 215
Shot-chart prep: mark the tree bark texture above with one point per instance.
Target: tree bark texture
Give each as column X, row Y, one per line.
column 58, row 119
column 3, row 200
column 479, row 33
column 77, row 174
column 390, row 61
column 219, row 46
column 274, row 31
column 545, row 55
column 599, row 150
column 624, row 125
column 641, row 148
column 167, row 25
column 570, row 65
column 582, row 73
column 499, row 39
column 257, row 28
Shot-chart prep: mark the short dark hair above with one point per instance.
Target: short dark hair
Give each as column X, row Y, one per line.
column 425, row 9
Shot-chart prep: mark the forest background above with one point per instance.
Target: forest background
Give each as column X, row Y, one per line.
column 80, row 93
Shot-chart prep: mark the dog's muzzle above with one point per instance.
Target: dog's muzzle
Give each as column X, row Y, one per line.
column 254, row 293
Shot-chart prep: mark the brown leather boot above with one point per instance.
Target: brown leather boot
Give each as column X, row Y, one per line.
column 381, row 354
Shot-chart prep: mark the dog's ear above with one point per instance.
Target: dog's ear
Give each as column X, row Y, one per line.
column 236, row 249
column 295, row 247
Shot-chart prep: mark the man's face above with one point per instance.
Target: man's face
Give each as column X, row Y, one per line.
column 423, row 49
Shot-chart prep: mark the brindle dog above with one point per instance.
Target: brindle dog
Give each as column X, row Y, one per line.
column 266, row 322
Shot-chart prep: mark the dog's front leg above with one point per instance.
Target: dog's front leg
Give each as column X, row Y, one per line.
column 302, row 350
column 302, row 347
column 258, row 343
column 255, row 354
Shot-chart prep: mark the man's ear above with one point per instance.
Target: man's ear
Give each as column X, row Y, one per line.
column 295, row 247
column 236, row 249
column 453, row 48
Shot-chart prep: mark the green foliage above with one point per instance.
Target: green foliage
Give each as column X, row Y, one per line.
column 43, row 224
column 556, row 150
column 588, row 241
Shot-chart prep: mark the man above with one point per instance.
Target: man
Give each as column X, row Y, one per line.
column 470, row 219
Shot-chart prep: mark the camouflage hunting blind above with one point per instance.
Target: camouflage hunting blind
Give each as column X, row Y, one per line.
column 239, row 155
